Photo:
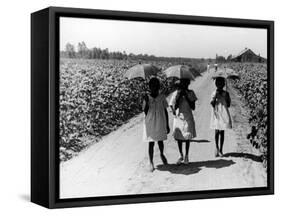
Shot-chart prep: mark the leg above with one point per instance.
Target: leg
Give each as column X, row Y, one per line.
column 217, row 133
column 187, row 145
column 221, row 141
column 180, row 150
column 161, row 148
column 180, row 147
column 150, row 153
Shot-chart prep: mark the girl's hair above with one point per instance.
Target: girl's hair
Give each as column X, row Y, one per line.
column 184, row 83
column 154, row 82
column 220, row 80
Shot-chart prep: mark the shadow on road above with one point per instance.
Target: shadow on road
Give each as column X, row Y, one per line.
column 195, row 167
column 200, row 141
column 256, row 158
column 178, row 169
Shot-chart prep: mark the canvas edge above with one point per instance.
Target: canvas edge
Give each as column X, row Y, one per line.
column 54, row 202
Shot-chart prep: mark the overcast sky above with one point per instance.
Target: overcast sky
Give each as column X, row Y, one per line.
column 162, row 39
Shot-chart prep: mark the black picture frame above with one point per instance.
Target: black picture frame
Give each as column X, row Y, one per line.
column 45, row 101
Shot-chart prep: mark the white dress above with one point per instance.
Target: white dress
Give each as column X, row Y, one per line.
column 220, row 116
column 184, row 124
column 155, row 124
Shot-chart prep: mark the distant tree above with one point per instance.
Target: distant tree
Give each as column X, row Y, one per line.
column 220, row 59
column 97, row 53
column 104, row 54
column 70, row 50
column 229, row 58
column 83, row 51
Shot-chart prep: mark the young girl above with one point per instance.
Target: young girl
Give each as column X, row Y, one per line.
column 220, row 116
column 216, row 67
column 182, row 103
column 156, row 125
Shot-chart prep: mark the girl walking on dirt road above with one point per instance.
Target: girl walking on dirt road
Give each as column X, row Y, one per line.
column 220, row 116
column 182, row 103
column 156, row 124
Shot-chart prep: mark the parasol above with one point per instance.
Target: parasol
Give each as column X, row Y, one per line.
column 179, row 71
column 141, row 70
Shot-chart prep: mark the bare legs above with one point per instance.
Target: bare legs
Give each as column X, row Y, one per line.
column 219, row 135
column 222, row 141
column 187, row 144
column 180, row 149
column 151, row 153
column 161, row 148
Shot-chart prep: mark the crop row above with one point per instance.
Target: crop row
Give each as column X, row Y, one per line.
column 253, row 87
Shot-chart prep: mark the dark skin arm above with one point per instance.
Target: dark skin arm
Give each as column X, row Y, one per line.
column 191, row 103
column 177, row 101
column 213, row 102
column 167, row 121
column 145, row 110
column 228, row 100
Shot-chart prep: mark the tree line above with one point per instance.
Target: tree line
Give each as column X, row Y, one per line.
column 97, row 53
column 222, row 59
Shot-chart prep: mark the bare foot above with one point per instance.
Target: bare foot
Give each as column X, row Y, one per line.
column 180, row 160
column 217, row 153
column 186, row 160
column 151, row 167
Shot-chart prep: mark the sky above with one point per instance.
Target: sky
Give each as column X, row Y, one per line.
column 162, row 39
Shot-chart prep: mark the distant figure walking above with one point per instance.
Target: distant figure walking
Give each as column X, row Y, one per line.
column 216, row 67
column 182, row 103
column 156, row 124
column 220, row 116
column 208, row 67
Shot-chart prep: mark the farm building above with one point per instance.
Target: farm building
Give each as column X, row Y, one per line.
column 247, row 55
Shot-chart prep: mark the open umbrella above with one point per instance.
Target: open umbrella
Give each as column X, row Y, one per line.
column 227, row 74
column 141, row 70
column 233, row 76
column 179, row 71
column 219, row 74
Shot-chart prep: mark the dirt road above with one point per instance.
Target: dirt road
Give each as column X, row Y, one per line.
column 118, row 164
